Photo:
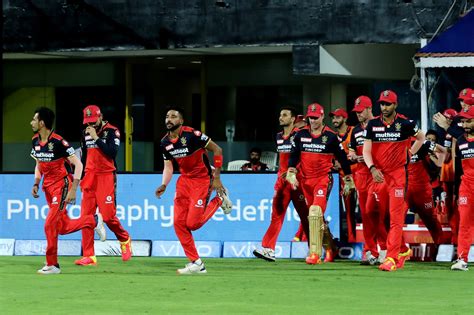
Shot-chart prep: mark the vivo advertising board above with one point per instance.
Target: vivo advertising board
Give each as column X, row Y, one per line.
column 148, row 218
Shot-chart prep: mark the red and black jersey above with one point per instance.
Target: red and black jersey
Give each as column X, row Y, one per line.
column 188, row 150
column 98, row 156
column 283, row 146
column 315, row 153
column 356, row 144
column 465, row 152
column 418, row 172
column 390, row 142
column 259, row 167
column 52, row 157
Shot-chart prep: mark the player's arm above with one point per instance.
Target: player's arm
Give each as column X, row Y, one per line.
column 420, row 139
column 218, row 160
column 111, row 144
column 295, row 155
column 35, row 189
column 438, row 154
column 74, row 160
column 167, row 175
column 369, row 161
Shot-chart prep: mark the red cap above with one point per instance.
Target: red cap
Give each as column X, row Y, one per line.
column 467, row 96
column 315, row 110
column 299, row 118
column 467, row 114
column 91, row 114
column 361, row 103
column 339, row 112
column 450, row 113
column 388, row 96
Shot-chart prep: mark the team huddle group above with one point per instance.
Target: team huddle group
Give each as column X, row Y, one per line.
column 385, row 159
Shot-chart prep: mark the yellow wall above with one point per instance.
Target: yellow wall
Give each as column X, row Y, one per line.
column 18, row 110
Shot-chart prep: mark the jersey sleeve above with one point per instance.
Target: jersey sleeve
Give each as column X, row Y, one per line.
column 368, row 133
column 110, row 145
column 201, row 139
column 166, row 155
column 295, row 150
column 65, row 150
column 411, row 128
column 352, row 142
column 340, row 154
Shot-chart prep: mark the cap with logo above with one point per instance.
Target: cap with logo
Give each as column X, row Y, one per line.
column 361, row 103
column 315, row 110
column 467, row 96
column 450, row 113
column 388, row 96
column 469, row 114
column 91, row 114
column 339, row 112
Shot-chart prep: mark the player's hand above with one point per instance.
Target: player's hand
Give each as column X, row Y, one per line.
column 291, row 178
column 160, row 191
column 349, row 185
column 90, row 130
column 34, row 191
column 71, row 197
column 441, row 121
column 360, row 158
column 352, row 156
column 377, row 175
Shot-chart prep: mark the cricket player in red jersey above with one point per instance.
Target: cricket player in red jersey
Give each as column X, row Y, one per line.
column 314, row 148
column 53, row 157
column 385, row 151
column 465, row 152
column 344, row 131
column 192, row 208
column 371, row 207
column 99, row 144
column 419, row 195
column 284, row 193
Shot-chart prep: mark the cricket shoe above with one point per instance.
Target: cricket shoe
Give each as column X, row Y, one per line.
column 382, row 255
column 100, row 228
column 460, row 264
column 192, row 268
column 329, row 256
column 388, row 265
column 267, row 254
column 86, row 261
column 370, row 260
column 402, row 257
column 126, row 248
column 49, row 270
column 313, row 259
column 226, row 202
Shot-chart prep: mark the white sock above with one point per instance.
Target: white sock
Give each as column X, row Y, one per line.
column 198, row 261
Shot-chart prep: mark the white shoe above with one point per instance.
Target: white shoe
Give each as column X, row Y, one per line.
column 370, row 259
column 460, row 264
column 100, row 228
column 267, row 254
column 226, row 202
column 192, row 268
column 382, row 256
column 49, row 270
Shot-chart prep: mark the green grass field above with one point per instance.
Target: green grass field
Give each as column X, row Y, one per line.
column 232, row 286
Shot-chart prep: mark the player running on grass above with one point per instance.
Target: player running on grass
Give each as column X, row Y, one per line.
column 284, row 193
column 188, row 148
column 99, row 145
column 53, row 157
column 465, row 151
column 387, row 140
column 314, row 148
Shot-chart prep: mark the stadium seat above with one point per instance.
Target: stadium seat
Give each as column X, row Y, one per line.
column 270, row 158
column 236, row 165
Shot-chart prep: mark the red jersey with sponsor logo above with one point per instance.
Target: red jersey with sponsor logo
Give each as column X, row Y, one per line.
column 52, row 157
column 283, row 147
column 316, row 152
column 390, row 141
column 356, row 144
column 98, row 156
column 188, row 150
column 465, row 151
column 418, row 173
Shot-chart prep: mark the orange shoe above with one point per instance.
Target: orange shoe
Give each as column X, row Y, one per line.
column 126, row 248
column 86, row 261
column 388, row 265
column 313, row 259
column 330, row 256
column 402, row 257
